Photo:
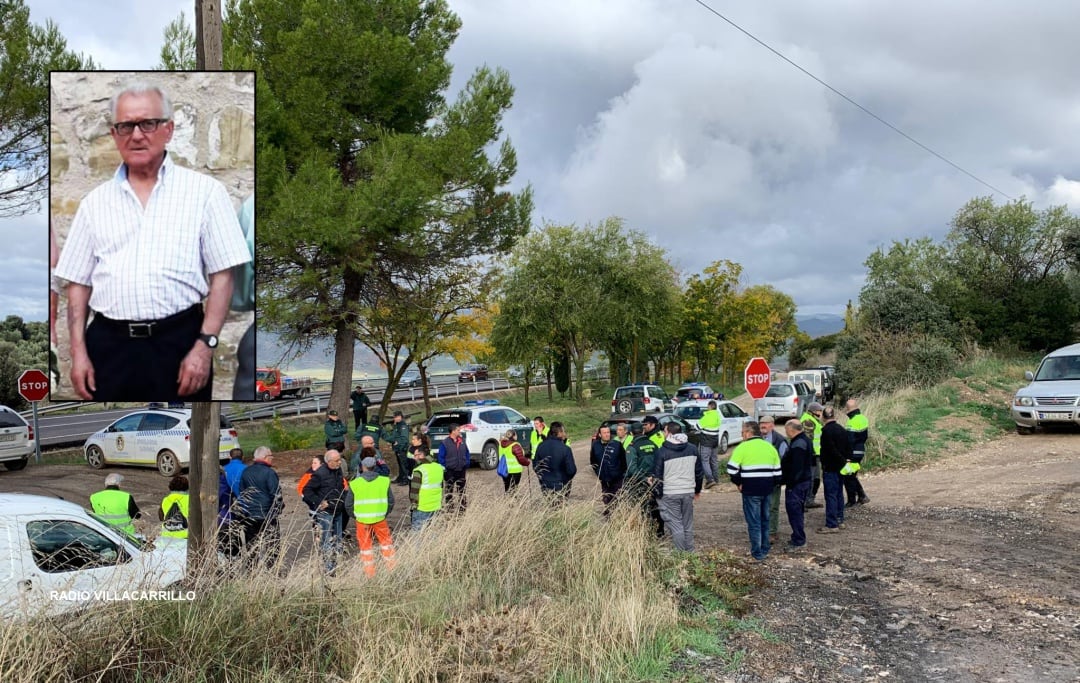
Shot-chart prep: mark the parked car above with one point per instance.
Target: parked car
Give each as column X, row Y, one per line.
column 16, row 439
column 57, row 556
column 1053, row 397
column 473, row 373
column 694, row 390
column 483, row 424
column 161, row 438
column 784, row 400
column 637, row 398
column 815, row 378
column 732, row 418
column 409, row 378
column 693, row 434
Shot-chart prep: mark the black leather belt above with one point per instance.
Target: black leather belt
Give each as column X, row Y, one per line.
column 143, row 329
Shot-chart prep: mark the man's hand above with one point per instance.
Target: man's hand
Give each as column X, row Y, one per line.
column 740, row 488
column 195, row 369
column 82, row 376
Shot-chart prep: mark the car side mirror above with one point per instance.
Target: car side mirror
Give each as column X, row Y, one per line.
column 1029, row 376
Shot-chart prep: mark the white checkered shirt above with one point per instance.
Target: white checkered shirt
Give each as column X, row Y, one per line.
column 149, row 264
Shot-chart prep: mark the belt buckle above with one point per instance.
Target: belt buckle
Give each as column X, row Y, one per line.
column 140, row 330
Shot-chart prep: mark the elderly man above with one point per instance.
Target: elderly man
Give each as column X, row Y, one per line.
column 145, row 250
column 261, row 505
column 116, row 507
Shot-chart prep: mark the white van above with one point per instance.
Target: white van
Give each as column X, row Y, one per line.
column 815, row 378
column 55, row 556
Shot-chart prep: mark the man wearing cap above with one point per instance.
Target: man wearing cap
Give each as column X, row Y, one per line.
column 261, row 504
column 360, row 403
column 372, row 502
column 857, row 429
column 398, row 436
column 335, row 431
column 835, row 453
column 425, row 488
column 114, row 506
column 812, row 425
column 653, row 431
column 454, row 456
column 640, row 458
column 325, row 495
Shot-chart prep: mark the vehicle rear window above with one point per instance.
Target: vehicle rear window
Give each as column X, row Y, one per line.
column 780, row 390
column 8, row 419
column 690, row 412
column 444, row 420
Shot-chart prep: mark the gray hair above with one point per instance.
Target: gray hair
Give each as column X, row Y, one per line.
column 261, row 452
column 141, row 88
column 114, row 479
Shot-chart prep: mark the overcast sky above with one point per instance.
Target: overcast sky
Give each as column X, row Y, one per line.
column 659, row 112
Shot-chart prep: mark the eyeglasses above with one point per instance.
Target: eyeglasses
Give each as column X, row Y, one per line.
column 126, row 128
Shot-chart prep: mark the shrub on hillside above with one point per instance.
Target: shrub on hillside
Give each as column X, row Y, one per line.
column 881, row 361
column 931, row 361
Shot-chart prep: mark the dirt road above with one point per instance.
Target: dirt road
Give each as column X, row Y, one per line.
column 964, row 570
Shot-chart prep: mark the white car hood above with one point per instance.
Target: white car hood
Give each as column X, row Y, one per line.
column 1064, row 387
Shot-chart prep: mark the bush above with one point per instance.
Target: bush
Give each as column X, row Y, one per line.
column 880, row 361
column 283, row 440
column 931, row 361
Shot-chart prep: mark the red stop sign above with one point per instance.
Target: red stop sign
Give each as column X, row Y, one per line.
column 757, row 377
column 33, row 385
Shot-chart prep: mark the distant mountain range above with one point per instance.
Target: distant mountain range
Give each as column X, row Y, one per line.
column 820, row 324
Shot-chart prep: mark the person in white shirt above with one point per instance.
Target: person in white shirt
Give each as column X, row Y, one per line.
column 145, row 250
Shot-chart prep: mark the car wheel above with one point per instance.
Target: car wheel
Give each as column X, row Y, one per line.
column 723, row 443
column 625, row 406
column 303, row 393
column 489, row 457
column 95, row 458
column 1021, row 429
column 264, row 396
column 167, row 464
column 16, row 465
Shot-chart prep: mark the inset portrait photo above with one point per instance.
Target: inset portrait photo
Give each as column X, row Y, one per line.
column 151, row 211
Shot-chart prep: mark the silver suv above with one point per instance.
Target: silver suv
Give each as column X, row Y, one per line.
column 784, row 400
column 1053, row 397
column 641, row 398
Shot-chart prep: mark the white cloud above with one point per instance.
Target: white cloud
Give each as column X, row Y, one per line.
column 1064, row 191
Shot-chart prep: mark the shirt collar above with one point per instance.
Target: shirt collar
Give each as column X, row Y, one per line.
column 164, row 170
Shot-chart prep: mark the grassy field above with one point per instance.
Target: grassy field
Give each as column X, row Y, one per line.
column 512, row 590
column 912, row 426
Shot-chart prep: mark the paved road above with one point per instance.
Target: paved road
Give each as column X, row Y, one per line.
column 74, row 428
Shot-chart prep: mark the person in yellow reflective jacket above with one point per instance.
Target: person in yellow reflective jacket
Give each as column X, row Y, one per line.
column 114, row 506
column 372, row 501
column 425, row 488
column 174, row 509
column 812, row 426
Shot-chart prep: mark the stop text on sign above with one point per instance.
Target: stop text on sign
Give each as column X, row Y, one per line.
column 756, row 378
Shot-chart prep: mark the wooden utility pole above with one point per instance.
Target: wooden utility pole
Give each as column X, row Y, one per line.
column 205, row 415
column 208, row 35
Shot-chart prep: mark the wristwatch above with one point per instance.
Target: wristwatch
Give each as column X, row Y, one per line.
column 209, row 339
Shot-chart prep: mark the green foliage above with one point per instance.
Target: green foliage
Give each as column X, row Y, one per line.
column 178, row 50
column 803, row 349
column 28, row 53
column 282, row 439
column 562, row 373
column 880, row 361
column 23, row 346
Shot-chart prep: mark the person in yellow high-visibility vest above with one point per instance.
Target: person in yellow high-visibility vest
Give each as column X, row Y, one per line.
column 174, row 509
column 516, row 460
column 425, row 488
column 372, row 501
column 114, row 506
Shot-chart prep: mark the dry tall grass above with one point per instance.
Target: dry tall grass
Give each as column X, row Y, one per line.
column 513, row 590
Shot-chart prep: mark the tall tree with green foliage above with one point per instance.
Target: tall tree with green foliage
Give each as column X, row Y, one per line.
column 27, row 53
column 361, row 160
column 178, row 48
column 23, row 346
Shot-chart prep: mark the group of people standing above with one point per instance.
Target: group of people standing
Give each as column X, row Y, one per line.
column 814, row 450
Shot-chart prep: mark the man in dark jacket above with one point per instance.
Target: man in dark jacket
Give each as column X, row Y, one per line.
column 335, row 431
column 679, row 473
column 398, row 436
column 260, row 505
column 554, row 464
column 360, row 403
column 797, row 467
column 608, row 460
column 640, row 459
column 835, row 453
column 858, row 429
column 324, row 494
column 454, row 456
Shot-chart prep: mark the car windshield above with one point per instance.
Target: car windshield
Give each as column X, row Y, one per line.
column 690, row 412
column 1059, row 368
column 779, row 390
column 657, row 392
column 140, row 543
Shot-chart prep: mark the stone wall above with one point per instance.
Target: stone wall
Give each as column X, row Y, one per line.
column 214, row 133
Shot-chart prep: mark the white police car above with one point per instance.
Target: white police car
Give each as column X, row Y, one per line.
column 732, row 418
column 57, row 557
column 483, row 424
column 692, row 391
column 160, row 438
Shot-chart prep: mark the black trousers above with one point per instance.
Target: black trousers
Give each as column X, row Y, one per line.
column 244, row 386
column 146, row 368
column 609, row 488
column 511, row 481
column 454, row 486
column 853, row 487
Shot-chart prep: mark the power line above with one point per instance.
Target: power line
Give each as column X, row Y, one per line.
column 853, row 102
